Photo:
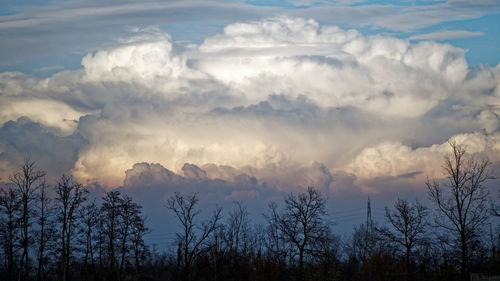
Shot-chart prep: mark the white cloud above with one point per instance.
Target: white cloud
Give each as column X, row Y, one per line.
column 405, row 18
column 285, row 100
column 333, row 66
column 395, row 158
column 446, row 35
column 140, row 59
column 24, row 95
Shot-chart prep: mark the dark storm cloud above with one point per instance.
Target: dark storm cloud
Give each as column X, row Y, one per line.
column 24, row 138
column 154, row 184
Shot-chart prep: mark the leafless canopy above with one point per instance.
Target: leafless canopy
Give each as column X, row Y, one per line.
column 408, row 224
column 194, row 237
column 302, row 222
column 462, row 200
column 27, row 180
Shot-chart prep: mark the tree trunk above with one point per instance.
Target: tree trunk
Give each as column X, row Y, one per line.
column 67, row 257
column 41, row 251
column 10, row 255
column 407, row 260
column 25, row 240
column 464, row 266
column 301, row 264
column 64, row 273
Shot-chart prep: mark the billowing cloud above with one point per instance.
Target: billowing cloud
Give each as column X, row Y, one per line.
column 53, row 153
column 396, row 159
column 153, row 184
column 24, row 95
column 280, row 103
column 334, row 67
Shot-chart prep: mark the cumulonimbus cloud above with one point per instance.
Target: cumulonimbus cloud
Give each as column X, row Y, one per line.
column 283, row 100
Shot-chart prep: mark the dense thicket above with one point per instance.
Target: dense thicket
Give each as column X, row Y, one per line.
column 59, row 233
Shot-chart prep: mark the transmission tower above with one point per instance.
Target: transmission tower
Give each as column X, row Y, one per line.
column 369, row 228
column 369, row 222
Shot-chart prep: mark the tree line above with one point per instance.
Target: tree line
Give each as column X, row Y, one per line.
column 58, row 232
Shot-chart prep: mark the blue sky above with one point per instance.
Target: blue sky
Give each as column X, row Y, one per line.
column 45, row 43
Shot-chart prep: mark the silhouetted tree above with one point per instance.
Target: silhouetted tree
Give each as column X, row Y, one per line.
column 69, row 197
column 122, row 231
column 277, row 247
column 257, row 239
column 106, row 241
column 237, row 230
column 90, row 216
column 45, row 231
column 462, row 200
column 10, row 206
column 363, row 243
column 495, row 208
column 302, row 222
column 110, row 209
column 139, row 248
column 27, row 181
column 129, row 216
column 407, row 222
column 193, row 238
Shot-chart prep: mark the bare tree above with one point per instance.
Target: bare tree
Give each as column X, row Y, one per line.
column 193, row 238
column 46, row 231
column 101, row 241
column 9, row 226
column 364, row 243
column 495, row 206
column 110, row 209
column 302, row 222
column 277, row 247
column 90, row 218
column 462, row 199
column 27, row 181
column 123, row 230
column 237, row 230
column 139, row 247
column 408, row 227
column 129, row 214
column 257, row 239
column 70, row 196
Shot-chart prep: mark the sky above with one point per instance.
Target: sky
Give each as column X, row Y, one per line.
column 249, row 100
